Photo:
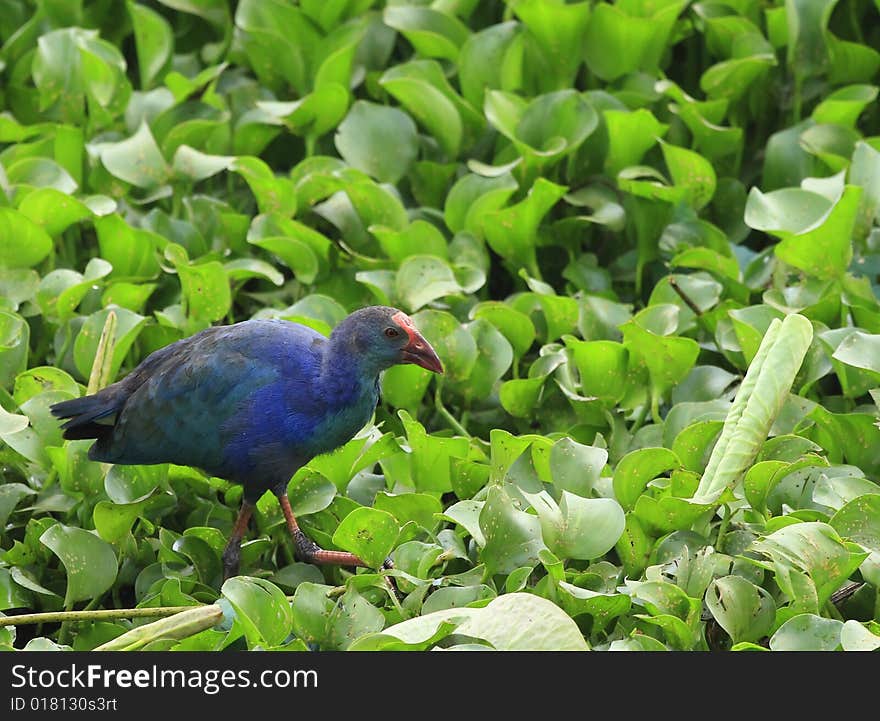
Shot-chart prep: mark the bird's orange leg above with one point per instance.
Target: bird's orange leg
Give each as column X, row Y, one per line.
column 232, row 552
column 309, row 551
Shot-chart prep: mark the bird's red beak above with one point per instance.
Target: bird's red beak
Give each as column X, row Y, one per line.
column 417, row 350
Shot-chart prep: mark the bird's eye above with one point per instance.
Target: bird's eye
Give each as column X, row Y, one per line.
column 391, row 332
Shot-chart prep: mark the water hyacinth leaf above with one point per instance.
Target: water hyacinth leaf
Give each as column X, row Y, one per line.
column 513, row 537
column 368, row 533
column 745, row 611
column 859, row 350
column 602, row 366
column 310, row 494
column 472, row 196
column 519, row 396
column 630, row 136
column 558, row 29
column 494, row 357
column 41, row 172
column 89, row 561
column 378, row 140
column 352, row 617
column 131, row 251
column 433, row 33
column 826, row 250
column 14, row 337
column 273, row 194
column 128, row 326
column 424, row 278
column 859, row 521
column 11, row 494
column 260, row 607
column 691, row 171
column 813, row 549
column 855, row 637
column 452, row 341
column 757, row 404
column 523, row 621
column 137, row 160
column 621, row 39
column 513, row 325
column 576, row 467
column 53, row 210
column 430, row 108
column 580, row 528
column 667, row 358
column 206, row 289
column 638, row 468
column 23, row 243
column 485, row 56
column 154, row 41
column 807, row 632
column 512, row 232
column 512, row 622
column 419, row 507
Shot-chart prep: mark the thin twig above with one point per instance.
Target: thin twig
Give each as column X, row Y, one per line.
column 673, row 283
column 695, row 309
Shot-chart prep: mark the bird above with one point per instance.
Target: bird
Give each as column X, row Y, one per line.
column 251, row 402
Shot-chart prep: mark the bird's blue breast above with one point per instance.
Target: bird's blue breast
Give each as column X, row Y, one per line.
column 306, row 410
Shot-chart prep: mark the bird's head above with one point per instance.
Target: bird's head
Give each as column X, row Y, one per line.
column 386, row 337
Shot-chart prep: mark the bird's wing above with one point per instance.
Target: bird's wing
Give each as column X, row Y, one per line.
column 185, row 396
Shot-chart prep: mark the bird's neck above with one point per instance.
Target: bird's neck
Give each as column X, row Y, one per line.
column 347, row 371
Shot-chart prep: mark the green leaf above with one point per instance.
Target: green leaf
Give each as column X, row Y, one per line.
column 807, row 632
column 826, row 250
column 417, row 507
column 859, row 521
column 89, row 561
column 691, row 171
column 432, row 33
column 745, row 611
column 378, row 140
column 154, row 42
column 580, row 528
column 474, row 196
column 260, row 608
column 424, row 278
column 512, row 622
column 623, row 38
column 513, row 537
column 638, row 468
column 14, row 337
column 512, row 232
column 53, row 210
column 23, row 243
column 85, row 347
column 813, row 549
column 630, row 135
column 757, row 404
column 575, row 467
column 137, row 160
column 368, row 533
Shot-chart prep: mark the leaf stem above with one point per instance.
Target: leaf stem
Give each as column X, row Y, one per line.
column 722, row 528
column 447, row 416
column 110, row 614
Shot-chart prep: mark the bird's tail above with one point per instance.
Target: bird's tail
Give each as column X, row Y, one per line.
column 90, row 416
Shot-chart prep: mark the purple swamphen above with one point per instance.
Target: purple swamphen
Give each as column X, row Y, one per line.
column 251, row 403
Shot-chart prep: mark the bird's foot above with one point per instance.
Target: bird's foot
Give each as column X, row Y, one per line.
column 310, row 552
